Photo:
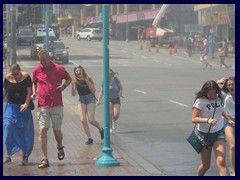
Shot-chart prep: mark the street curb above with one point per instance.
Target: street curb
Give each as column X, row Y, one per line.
column 135, row 159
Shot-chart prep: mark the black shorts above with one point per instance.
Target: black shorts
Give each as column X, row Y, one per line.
column 115, row 101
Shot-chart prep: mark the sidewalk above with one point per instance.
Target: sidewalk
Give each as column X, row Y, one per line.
column 79, row 158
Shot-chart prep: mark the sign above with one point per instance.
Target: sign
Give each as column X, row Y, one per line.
column 209, row 19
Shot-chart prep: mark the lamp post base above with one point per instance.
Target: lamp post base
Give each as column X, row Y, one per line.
column 107, row 159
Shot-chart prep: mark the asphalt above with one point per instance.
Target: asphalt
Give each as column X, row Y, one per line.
column 80, row 159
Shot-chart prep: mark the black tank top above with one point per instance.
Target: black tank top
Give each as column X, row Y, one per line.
column 82, row 88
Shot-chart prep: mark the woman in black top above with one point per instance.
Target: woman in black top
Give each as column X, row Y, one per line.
column 83, row 84
column 18, row 120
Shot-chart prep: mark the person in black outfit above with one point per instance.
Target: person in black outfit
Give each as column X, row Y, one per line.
column 18, row 121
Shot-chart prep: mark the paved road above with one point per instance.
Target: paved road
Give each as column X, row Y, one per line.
column 158, row 94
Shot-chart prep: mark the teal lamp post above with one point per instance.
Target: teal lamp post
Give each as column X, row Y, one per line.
column 107, row 158
column 46, row 9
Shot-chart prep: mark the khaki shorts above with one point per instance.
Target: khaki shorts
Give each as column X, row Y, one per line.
column 53, row 114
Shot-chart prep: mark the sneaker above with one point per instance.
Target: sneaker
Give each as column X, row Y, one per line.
column 114, row 125
column 102, row 134
column 25, row 160
column 7, row 160
column 111, row 131
column 89, row 141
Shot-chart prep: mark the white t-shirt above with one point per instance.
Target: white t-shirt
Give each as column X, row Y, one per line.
column 206, row 107
column 229, row 106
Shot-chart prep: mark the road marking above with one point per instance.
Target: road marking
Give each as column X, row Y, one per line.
column 168, row 64
column 144, row 57
column 74, row 63
column 156, row 60
column 143, row 92
column 178, row 103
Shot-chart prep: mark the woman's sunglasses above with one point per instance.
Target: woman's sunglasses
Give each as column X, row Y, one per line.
column 15, row 74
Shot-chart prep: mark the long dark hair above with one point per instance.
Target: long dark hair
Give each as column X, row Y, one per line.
column 209, row 85
column 225, row 87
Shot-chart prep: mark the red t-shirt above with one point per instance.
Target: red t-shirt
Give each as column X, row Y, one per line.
column 48, row 81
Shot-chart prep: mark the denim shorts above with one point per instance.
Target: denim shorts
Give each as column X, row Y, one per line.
column 88, row 99
column 213, row 137
column 226, row 123
column 115, row 101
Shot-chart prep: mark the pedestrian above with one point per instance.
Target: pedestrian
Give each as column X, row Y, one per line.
column 229, row 107
column 115, row 92
column 84, row 86
column 203, row 57
column 222, row 58
column 208, row 109
column 18, row 121
column 52, row 47
column 225, row 46
column 48, row 78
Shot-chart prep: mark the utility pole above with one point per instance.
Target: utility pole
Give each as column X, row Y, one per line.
column 127, row 23
column 107, row 158
column 8, row 38
column 212, row 36
column 47, row 24
column 13, row 34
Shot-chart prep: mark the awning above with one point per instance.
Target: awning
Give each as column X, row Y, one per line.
column 204, row 6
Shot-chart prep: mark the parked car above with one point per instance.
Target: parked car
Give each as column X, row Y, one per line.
column 61, row 52
column 89, row 34
column 24, row 36
column 39, row 41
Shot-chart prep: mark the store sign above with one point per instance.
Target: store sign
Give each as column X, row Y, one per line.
column 209, row 19
column 223, row 18
column 136, row 16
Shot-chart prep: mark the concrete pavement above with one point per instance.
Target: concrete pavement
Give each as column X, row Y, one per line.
column 79, row 158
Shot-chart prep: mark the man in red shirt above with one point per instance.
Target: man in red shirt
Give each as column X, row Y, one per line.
column 48, row 77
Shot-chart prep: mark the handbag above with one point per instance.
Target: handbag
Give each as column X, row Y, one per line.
column 31, row 105
column 196, row 141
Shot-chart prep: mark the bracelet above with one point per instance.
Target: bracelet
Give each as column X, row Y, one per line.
column 209, row 121
column 205, row 120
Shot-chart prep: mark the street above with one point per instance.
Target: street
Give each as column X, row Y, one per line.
column 158, row 91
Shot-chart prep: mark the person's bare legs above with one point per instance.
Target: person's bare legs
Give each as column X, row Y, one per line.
column 82, row 110
column 43, row 141
column 206, row 160
column 219, row 148
column 230, row 135
column 59, row 137
column 91, row 108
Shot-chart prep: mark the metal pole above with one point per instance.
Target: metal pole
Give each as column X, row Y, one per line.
column 212, row 36
column 106, row 159
column 127, row 23
column 47, row 24
column 8, row 31
column 13, row 34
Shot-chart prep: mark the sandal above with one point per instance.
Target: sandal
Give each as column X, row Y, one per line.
column 44, row 163
column 61, row 153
